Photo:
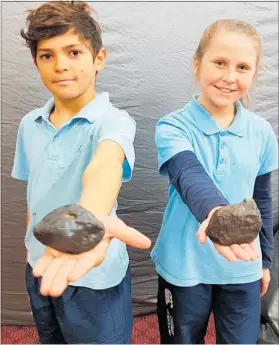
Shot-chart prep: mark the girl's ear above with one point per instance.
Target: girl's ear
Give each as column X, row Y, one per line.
column 196, row 65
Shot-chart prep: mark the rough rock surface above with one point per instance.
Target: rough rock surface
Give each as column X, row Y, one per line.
column 70, row 229
column 235, row 224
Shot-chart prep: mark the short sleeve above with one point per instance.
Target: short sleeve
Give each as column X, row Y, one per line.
column 20, row 169
column 269, row 161
column 171, row 138
column 121, row 128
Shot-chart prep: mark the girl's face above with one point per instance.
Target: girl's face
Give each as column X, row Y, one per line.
column 226, row 70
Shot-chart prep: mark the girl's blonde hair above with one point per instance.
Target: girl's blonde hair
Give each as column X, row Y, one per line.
column 231, row 25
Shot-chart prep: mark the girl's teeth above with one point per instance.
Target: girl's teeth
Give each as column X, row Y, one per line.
column 225, row 90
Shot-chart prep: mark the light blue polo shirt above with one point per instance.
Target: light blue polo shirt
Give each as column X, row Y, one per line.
column 53, row 162
column 233, row 158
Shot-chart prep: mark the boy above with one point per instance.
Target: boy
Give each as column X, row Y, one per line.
column 78, row 148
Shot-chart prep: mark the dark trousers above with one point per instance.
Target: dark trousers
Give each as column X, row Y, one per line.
column 183, row 312
column 82, row 315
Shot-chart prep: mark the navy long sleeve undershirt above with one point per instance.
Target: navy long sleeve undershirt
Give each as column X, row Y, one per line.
column 262, row 197
column 201, row 195
column 193, row 184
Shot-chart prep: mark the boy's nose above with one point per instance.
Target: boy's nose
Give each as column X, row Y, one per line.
column 61, row 65
column 60, row 69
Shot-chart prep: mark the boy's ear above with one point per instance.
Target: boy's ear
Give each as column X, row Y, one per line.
column 100, row 59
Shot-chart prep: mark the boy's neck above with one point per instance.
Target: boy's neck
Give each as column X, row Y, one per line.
column 64, row 110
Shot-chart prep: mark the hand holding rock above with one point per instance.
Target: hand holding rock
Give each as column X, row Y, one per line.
column 235, row 224
column 70, row 229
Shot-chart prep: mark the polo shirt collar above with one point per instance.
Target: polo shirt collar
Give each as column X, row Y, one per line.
column 207, row 123
column 91, row 112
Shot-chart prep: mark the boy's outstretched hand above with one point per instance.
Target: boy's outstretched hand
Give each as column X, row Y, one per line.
column 246, row 252
column 59, row 269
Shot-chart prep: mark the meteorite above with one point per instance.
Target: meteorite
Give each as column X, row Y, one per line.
column 235, row 224
column 70, row 229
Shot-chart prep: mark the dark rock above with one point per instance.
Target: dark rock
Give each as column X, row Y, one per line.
column 70, row 229
column 235, row 224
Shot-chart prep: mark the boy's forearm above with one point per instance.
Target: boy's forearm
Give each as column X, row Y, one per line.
column 101, row 188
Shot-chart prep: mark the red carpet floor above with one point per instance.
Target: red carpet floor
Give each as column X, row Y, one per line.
column 145, row 332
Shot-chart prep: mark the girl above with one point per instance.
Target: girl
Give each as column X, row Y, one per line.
column 215, row 152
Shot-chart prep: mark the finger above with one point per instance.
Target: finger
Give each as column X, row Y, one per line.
column 226, row 252
column 240, row 253
column 60, row 281
column 50, row 273
column 247, row 248
column 42, row 264
column 263, row 289
column 88, row 260
column 255, row 249
column 201, row 234
column 128, row 235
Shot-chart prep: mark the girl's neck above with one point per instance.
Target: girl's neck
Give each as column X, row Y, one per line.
column 223, row 116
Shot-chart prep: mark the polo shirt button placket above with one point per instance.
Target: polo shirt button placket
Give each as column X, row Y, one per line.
column 53, row 154
column 60, row 165
column 222, row 166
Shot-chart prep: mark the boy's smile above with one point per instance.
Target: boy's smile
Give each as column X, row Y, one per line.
column 64, row 82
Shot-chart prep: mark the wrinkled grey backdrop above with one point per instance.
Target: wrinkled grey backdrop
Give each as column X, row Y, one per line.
column 148, row 73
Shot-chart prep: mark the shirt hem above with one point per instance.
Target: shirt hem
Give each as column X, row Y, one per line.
column 268, row 170
column 205, row 280
column 21, row 177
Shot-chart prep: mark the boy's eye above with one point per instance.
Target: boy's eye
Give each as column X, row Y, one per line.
column 75, row 53
column 45, row 56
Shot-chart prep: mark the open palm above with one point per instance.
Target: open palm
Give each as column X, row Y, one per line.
column 246, row 251
column 59, row 269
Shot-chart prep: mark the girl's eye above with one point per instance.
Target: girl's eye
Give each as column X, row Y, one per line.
column 243, row 68
column 75, row 53
column 45, row 56
column 219, row 63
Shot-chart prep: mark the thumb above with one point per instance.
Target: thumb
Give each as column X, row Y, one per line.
column 201, row 234
column 132, row 237
column 117, row 228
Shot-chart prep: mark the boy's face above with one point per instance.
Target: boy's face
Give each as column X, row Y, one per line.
column 66, row 65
